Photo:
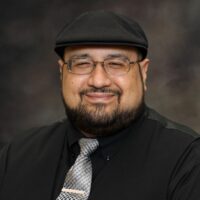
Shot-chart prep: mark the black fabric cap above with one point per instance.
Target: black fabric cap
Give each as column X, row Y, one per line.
column 102, row 28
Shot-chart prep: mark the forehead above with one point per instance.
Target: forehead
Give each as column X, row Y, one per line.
column 99, row 51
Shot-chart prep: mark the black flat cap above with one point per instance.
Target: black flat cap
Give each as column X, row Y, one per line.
column 102, row 28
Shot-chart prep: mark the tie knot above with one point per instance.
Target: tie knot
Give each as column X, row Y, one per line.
column 88, row 145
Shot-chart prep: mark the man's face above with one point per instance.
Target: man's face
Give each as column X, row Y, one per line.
column 98, row 99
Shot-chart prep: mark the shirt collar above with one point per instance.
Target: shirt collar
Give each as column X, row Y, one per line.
column 73, row 135
column 108, row 145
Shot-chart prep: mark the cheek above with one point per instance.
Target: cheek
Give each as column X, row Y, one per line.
column 70, row 89
column 132, row 92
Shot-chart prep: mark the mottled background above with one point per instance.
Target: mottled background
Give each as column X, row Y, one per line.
column 29, row 78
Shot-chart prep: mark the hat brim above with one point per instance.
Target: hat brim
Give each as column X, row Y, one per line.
column 59, row 49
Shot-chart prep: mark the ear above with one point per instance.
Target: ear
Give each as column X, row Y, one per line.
column 144, row 64
column 61, row 64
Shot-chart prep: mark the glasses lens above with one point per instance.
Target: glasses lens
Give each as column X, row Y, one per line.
column 117, row 66
column 114, row 66
column 81, row 66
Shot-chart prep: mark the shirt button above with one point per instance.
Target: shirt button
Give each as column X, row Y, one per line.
column 107, row 158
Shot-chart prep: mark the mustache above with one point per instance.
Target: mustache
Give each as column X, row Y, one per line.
column 102, row 90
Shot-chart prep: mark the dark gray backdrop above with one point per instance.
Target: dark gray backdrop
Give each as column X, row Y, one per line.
column 29, row 78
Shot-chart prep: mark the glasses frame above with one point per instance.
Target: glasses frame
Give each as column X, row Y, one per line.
column 68, row 63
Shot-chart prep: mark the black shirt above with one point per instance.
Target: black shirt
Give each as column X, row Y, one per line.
column 108, row 147
column 152, row 159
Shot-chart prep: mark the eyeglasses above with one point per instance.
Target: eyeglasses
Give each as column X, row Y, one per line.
column 114, row 66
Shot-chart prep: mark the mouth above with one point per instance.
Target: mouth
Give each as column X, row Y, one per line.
column 99, row 97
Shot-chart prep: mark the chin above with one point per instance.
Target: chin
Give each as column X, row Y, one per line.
column 98, row 122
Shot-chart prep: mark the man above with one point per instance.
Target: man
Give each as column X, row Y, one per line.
column 111, row 146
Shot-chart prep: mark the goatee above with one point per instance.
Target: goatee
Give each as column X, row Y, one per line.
column 97, row 122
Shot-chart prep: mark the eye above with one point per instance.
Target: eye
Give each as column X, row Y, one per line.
column 81, row 64
column 115, row 64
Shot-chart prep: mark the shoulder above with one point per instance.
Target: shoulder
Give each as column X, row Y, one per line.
column 35, row 141
column 39, row 134
column 170, row 128
column 32, row 144
column 169, row 139
column 185, row 176
column 34, row 148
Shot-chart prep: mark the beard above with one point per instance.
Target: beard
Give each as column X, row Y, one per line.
column 96, row 122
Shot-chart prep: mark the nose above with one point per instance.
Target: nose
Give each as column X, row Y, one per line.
column 99, row 78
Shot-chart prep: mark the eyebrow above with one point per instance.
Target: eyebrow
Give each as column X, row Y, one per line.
column 116, row 56
column 106, row 57
column 80, row 56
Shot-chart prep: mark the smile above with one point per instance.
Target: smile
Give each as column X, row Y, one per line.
column 99, row 97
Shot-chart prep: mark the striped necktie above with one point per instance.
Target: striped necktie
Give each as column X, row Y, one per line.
column 78, row 179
